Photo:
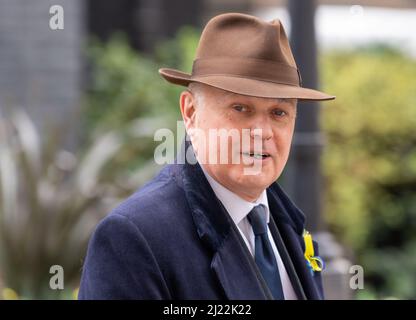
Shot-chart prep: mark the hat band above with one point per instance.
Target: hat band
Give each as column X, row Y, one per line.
column 248, row 68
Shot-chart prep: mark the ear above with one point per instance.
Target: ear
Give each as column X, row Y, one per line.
column 187, row 105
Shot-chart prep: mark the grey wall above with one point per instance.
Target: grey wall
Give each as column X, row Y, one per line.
column 40, row 68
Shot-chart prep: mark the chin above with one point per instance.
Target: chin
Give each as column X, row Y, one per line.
column 258, row 181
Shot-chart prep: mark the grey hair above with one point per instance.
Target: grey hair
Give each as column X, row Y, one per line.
column 198, row 92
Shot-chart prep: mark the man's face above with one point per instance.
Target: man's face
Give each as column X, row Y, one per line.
column 251, row 122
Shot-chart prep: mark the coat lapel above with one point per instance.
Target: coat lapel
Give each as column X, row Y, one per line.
column 290, row 222
column 236, row 271
column 287, row 260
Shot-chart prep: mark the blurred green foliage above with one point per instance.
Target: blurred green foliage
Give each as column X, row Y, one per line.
column 370, row 164
column 125, row 86
column 50, row 201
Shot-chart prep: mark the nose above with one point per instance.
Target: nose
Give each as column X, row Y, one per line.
column 261, row 130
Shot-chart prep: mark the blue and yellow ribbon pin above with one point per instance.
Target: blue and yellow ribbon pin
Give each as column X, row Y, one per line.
column 315, row 263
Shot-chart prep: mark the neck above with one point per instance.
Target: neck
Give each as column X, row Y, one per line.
column 245, row 196
column 241, row 192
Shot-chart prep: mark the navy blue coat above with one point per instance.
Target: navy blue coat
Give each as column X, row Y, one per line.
column 173, row 239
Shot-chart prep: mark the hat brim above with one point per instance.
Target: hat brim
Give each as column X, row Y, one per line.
column 246, row 86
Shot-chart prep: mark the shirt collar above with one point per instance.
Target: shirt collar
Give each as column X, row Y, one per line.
column 237, row 207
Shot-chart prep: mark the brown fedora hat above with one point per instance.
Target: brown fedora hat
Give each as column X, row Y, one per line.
column 245, row 55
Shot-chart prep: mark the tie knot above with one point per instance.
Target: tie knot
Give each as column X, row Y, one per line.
column 257, row 218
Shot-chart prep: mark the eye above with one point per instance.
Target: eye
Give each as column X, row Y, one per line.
column 279, row 113
column 240, row 108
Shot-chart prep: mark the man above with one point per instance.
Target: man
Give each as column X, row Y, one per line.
column 213, row 229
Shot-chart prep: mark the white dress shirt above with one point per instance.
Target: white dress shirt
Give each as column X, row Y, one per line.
column 238, row 209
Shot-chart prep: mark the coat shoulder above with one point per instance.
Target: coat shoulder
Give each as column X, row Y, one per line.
column 134, row 242
column 161, row 199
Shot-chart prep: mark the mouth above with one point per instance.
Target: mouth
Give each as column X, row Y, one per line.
column 260, row 156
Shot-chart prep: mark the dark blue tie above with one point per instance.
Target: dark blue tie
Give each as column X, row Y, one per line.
column 263, row 252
